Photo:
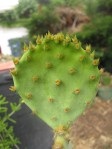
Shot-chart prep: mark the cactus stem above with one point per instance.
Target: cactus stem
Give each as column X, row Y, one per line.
column 58, row 145
column 60, row 130
column 67, row 137
column 60, row 142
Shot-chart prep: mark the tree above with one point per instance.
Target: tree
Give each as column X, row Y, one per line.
column 105, row 6
column 98, row 33
column 26, row 7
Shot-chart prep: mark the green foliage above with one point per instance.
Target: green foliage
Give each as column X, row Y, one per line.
column 58, row 80
column 91, row 7
column 100, row 26
column 98, row 31
column 8, row 16
column 69, row 3
column 26, row 7
column 7, row 137
column 104, row 6
column 42, row 22
column 20, row 14
column 43, row 2
column 57, row 2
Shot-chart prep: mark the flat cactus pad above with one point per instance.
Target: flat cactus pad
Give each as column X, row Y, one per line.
column 56, row 78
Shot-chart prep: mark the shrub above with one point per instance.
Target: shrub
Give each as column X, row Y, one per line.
column 20, row 14
column 104, row 6
column 42, row 22
column 98, row 33
column 8, row 16
column 26, row 7
column 7, row 137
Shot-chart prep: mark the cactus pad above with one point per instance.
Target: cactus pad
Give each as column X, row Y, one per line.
column 57, row 79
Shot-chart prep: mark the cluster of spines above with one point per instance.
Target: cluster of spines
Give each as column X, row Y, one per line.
column 59, row 38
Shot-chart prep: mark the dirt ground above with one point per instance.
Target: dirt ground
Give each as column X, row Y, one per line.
column 93, row 130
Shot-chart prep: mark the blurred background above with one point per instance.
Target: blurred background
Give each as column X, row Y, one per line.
column 91, row 20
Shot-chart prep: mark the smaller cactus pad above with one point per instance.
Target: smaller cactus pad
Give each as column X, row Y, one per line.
column 56, row 78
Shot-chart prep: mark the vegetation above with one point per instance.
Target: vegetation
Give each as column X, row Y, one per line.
column 26, row 8
column 8, row 17
column 20, row 14
column 98, row 33
column 56, row 89
column 7, row 137
column 40, row 19
column 69, row 3
column 104, row 7
column 42, row 22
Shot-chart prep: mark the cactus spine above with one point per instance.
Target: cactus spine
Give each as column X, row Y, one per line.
column 57, row 79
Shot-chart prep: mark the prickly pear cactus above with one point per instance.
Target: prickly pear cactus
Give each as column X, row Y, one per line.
column 57, row 79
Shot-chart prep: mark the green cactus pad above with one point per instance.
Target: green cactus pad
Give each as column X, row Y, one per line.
column 57, row 78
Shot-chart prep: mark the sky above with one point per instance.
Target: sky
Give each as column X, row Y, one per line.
column 7, row 4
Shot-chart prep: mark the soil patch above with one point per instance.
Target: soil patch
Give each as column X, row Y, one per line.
column 93, row 130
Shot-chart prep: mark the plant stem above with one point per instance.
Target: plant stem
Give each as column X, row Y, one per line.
column 9, row 115
column 11, row 138
column 69, row 145
column 61, row 143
